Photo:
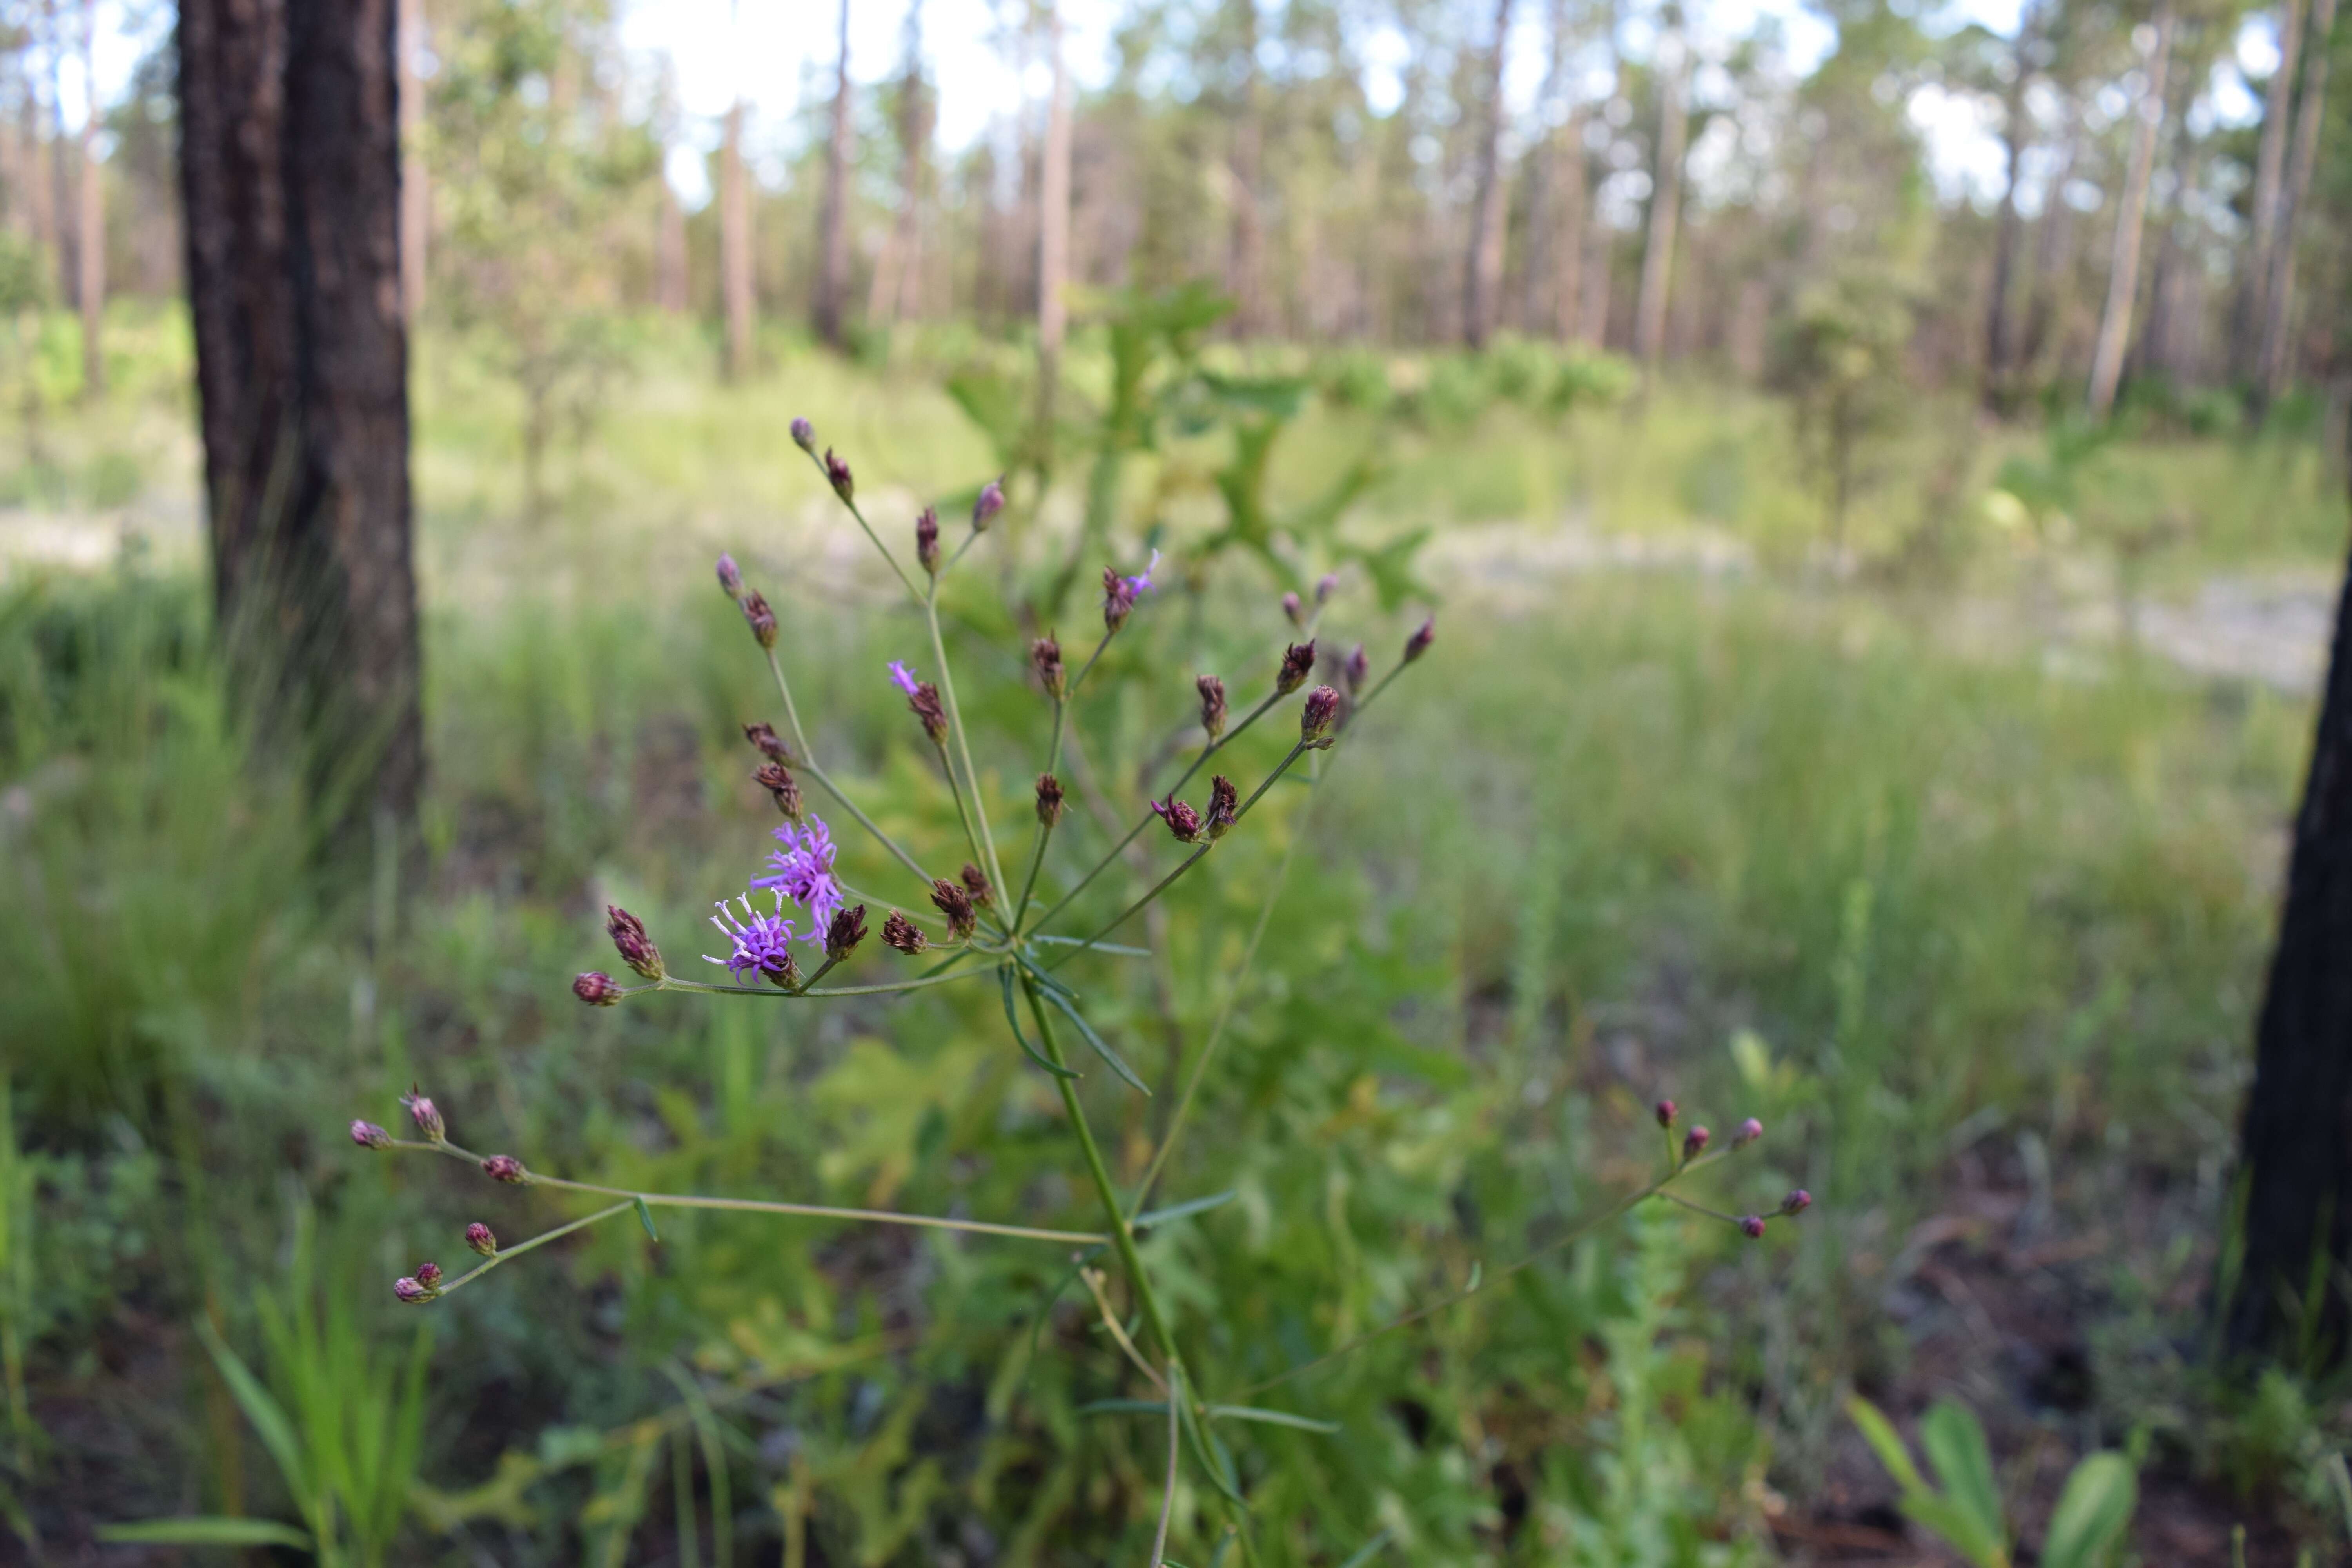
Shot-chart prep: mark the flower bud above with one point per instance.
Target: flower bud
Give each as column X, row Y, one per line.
column 927, row 540
column 1418, row 644
column 782, row 787
column 422, row 1111
column 805, row 436
column 1357, row 667
column 413, row 1291
column 1045, row 658
column 1692, row 1141
column 1292, row 611
column 847, row 930
column 629, row 938
column 975, row 882
column 924, row 703
column 762, row 620
column 1297, row 663
column 1314, row 718
column 785, row 976
column 1665, row 1113
column 1212, row 704
column 1797, row 1203
column 1750, row 1131
column 479, row 1237
column 1183, row 821
column 902, row 933
column 952, row 901
column 1049, row 800
column 990, row 502
column 596, row 989
column 836, row 469
column 731, row 576
column 1324, row 586
column 1119, row 598
column 504, row 1168
column 429, row 1276
column 368, row 1135
column 1751, row 1226
column 1224, row 802
column 766, row 741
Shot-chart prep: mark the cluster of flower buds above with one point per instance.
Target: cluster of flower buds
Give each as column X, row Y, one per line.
column 927, row 540
column 1045, row 658
column 596, row 989
column 1297, row 663
column 1049, row 800
column 419, row 1287
column 1316, row 718
column 955, row 902
column 1212, row 704
column 1695, row 1142
column 425, row 1114
column 629, row 938
column 904, row 935
column 987, row 504
column 481, row 1239
column 730, row 577
column 847, row 930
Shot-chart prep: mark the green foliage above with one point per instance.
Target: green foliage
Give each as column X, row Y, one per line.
column 1841, row 360
column 1963, row 1504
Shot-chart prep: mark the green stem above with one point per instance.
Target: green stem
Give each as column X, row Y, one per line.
column 504, row 1252
column 963, row 745
column 808, row 765
column 1158, row 887
column 671, row 982
column 897, row 569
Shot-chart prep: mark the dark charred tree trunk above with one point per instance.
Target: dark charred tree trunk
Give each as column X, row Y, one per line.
column 2296, row 1141
column 290, row 174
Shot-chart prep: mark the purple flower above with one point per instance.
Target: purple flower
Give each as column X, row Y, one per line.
column 368, row 1135
column 901, row 677
column 1142, row 580
column 802, row 871
column 761, row 944
column 1119, row 593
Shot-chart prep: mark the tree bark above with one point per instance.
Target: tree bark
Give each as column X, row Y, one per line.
column 1246, row 246
column 1053, row 237
column 416, row 194
column 1482, row 271
column 1666, row 207
column 1554, row 200
column 2277, row 363
column 833, row 239
column 90, row 250
column 669, row 250
column 1993, row 391
column 2131, row 223
column 896, row 289
column 290, row 180
column 2047, row 292
column 2248, row 310
column 735, row 246
column 2295, row 1143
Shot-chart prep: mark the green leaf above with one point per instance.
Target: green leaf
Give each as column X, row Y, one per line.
column 1012, row 1016
column 2092, row 1512
column 204, row 1529
column 1956, row 1445
column 1094, row 946
column 1879, row 1433
column 1102, row 1050
column 1184, row 1210
column 1124, row 1408
column 645, row 1218
column 1370, row 1550
column 1270, row 1418
column 268, row 1419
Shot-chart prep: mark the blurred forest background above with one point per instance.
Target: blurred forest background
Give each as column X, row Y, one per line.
column 1880, row 468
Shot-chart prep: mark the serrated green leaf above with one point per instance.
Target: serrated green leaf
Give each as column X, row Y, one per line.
column 204, row 1529
column 2092, row 1512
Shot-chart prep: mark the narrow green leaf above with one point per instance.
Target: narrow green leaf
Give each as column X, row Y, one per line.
column 1184, row 1210
column 1046, row 980
column 1270, row 1418
column 1956, row 1445
column 1098, row 947
column 2092, row 1512
column 1218, row 1472
column 1012, row 1017
column 1886, row 1443
column 1124, row 1408
column 204, row 1529
column 645, row 1218
column 269, row 1418
column 1102, row 1050
column 1370, row 1550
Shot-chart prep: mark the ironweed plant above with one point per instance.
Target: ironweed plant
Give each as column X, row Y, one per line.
column 798, row 921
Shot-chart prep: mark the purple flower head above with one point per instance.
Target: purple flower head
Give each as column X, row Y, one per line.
column 761, row 944
column 504, row 1168
column 990, row 502
column 1751, row 1226
column 424, row 1113
column 1142, row 580
column 429, row 1276
column 1750, row 1131
column 1119, row 593
column 1325, row 586
column 1183, row 821
column 482, row 1239
column 368, row 1135
column 1797, row 1203
column 1359, row 666
column 1694, row 1143
column 1418, row 644
column 412, row 1292
column 901, row 677
column 802, row 871
column 596, row 989
column 804, row 436
column 1292, row 611
column 731, row 576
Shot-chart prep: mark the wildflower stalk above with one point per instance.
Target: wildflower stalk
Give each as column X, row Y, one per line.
column 1168, row 1489
column 808, row 765
column 987, row 840
column 671, row 982
column 1053, row 764
column 898, row 571
column 541, row 1239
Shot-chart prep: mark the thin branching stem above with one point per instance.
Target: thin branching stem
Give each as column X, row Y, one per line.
column 1168, row 1489
column 898, row 571
column 807, row 763
column 987, row 840
column 541, row 1239
column 671, row 982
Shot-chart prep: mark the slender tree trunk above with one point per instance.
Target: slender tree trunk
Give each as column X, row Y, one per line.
column 416, row 194
column 2047, row 290
column 2247, row 307
column 1553, row 210
column 2159, row 351
column 832, row 240
column 2296, row 1144
column 1245, row 248
column 40, row 208
column 735, row 246
column 60, row 181
column 2276, row 366
column 289, row 136
column 1665, row 205
column 1053, row 239
column 669, row 250
column 1482, row 270
column 2131, row 222
column 90, row 253
column 897, row 288
column 1994, row 390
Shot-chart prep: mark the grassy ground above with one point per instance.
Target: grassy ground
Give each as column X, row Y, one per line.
column 1976, row 932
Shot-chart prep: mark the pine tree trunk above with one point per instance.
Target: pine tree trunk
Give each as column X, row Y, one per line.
column 290, row 182
column 896, row 289
column 2131, row 223
column 2276, row 364
column 735, row 246
column 2296, row 1144
column 669, row 250
column 90, row 258
column 832, row 238
column 1245, row 247
column 1994, row 390
column 1665, row 204
column 2248, row 309
column 1053, row 239
column 416, row 194
column 1482, row 271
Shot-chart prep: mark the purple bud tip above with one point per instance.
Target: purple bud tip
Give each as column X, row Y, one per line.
column 1797, row 1203
column 424, row 1113
column 1665, row 1113
column 1418, row 644
column 804, row 434
column 429, row 1276
column 1325, row 586
column 411, row 1291
column 1750, row 1131
column 503, row 1168
column 1694, row 1141
column 479, row 1238
column 596, row 989
column 1751, row 1226
column 991, row 502
column 1290, row 607
column 901, row 677
column 1316, row 718
column 731, row 576
column 368, row 1135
